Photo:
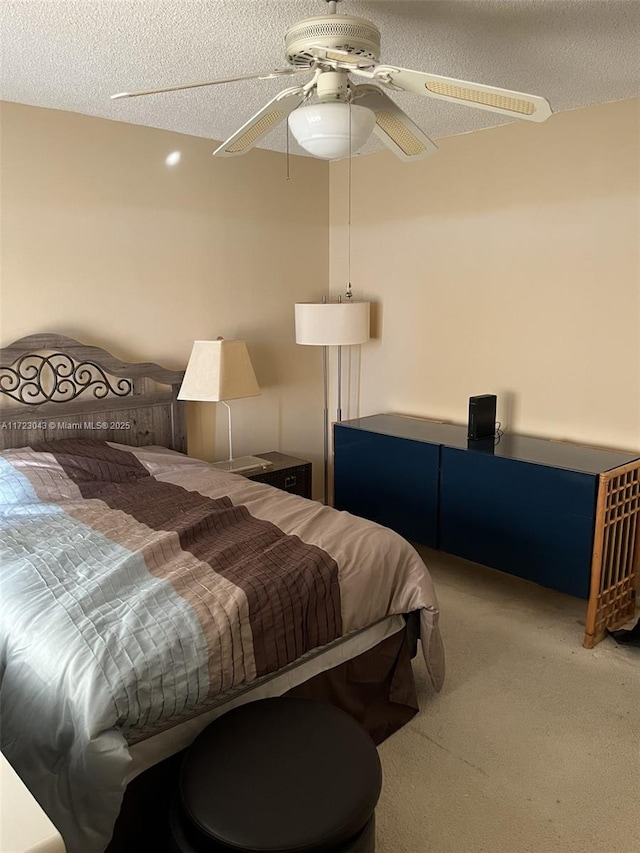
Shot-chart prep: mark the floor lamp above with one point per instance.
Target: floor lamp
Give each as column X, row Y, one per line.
column 331, row 324
column 218, row 371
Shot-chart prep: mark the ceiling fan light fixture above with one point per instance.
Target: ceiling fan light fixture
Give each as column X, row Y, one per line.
column 323, row 129
column 332, row 48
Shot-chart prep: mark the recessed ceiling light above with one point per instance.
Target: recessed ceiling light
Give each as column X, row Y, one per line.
column 173, row 158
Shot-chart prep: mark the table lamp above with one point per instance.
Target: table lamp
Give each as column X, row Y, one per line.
column 218, row 371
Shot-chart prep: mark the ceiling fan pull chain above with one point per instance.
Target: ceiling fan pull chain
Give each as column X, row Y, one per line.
column 287, row 138
column 349, row 294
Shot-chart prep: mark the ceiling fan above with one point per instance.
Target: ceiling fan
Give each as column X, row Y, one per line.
column 333, row 49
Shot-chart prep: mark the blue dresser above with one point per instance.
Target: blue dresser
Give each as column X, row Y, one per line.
column 524, row 505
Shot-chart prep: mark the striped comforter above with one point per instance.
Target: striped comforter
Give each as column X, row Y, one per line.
column 138, row 586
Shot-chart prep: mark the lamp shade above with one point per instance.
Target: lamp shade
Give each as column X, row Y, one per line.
column 332, row 323
column 218, row 370
column 324, row 129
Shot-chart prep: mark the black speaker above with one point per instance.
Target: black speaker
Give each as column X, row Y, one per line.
column 482, row 417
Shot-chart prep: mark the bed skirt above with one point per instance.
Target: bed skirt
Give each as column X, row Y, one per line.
column 376, row 688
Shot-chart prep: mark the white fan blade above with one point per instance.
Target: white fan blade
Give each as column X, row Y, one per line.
column 504, row 101
column 261, row 75
column 393, row 126
column 271, row 114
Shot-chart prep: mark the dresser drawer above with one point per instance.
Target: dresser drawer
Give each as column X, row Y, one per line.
column 288, row 473
column 296, row 479
column 532, row 521
column 387, row 479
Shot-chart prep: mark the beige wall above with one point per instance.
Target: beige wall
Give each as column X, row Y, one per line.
column 508, row 263
column 104, row 242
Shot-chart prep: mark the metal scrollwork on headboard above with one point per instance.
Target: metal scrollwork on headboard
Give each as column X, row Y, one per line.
column 57, row 378
column 118, row 400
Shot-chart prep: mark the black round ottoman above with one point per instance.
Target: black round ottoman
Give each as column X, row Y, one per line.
column 278, row 775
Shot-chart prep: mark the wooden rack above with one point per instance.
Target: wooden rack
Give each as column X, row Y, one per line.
column 615, row 567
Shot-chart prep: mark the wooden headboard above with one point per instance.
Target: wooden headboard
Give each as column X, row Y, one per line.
column 52, row 387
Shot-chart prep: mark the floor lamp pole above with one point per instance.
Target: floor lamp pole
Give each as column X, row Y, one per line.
column 325, row 377
column 339, row 418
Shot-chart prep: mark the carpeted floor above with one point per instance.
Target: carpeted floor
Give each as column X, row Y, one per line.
column 533, row 745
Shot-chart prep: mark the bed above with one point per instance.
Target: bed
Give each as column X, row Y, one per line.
column 146, row 593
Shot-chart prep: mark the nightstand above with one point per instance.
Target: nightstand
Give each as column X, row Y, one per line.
column 287, row 473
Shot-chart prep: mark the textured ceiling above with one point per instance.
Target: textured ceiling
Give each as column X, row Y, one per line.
column 72, row 54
